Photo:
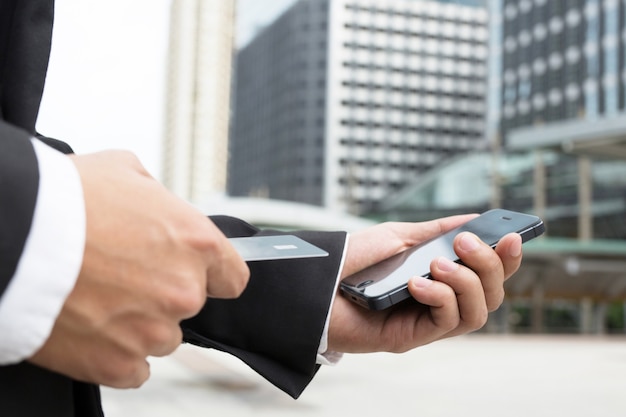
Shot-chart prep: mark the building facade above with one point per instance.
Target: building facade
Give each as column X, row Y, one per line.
column 277, row 134
column 197, row 115
column 340, row 103
column 562, row 75
column 561, row 60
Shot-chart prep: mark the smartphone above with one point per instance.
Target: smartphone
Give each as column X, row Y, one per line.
column 385, row 284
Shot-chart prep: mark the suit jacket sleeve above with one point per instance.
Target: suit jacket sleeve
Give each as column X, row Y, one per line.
column 19, row 179
column 276, row 325
column 25, row 33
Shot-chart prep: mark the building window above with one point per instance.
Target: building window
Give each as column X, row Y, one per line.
column 591, row 98
column 524, row 89
column 611, row 60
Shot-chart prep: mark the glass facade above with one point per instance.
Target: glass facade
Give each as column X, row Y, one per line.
column 561, row 60
column 444, row 191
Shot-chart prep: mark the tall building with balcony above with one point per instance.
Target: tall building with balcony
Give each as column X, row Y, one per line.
column 197, row 115
column 340, row 103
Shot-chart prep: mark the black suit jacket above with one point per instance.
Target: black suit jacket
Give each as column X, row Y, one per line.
column 275, row 326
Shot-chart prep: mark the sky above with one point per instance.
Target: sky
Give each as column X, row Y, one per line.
column 253, row 15
column 106, row 78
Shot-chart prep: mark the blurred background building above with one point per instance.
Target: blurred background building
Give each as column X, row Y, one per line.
column 415, row 109
column 198, row 114
column 195, row 151
column 562, row 104
column 340, row 103
column 556, row 126
column 563, row 82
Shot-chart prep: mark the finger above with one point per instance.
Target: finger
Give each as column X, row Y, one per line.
column 509, row 249
column 377, row 243
column 372, row 245
column 124, row 374
column 415, row 233
column 486, row 264
column 468, row 289
column 227, row 274
column 165, row 340
column 444, row 314
column 228, row 277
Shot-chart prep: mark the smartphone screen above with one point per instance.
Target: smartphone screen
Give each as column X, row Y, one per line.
column 385, row 284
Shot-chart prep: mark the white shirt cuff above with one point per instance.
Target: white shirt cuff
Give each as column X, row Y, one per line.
column 50, row 262
column 324, row 356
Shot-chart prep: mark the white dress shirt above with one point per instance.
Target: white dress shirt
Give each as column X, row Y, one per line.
column 50, row 262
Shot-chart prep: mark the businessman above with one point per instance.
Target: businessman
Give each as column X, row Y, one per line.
column 101, row 267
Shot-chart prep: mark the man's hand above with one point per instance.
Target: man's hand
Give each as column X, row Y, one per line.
column 456, row 301
column 150, row 261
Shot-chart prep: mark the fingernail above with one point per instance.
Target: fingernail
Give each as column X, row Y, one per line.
column 469, row 242
column 446, row 264
column 516, row 248
column 422, row 282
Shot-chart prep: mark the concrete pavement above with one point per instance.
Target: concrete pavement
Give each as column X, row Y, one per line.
column 476, row 375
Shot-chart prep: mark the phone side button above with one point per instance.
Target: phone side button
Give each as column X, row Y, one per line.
column 400, row 295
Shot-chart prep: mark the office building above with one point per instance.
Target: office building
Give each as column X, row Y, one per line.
column 562, row 60
column 340, row 103
column 562, row 84
column 198, row 98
